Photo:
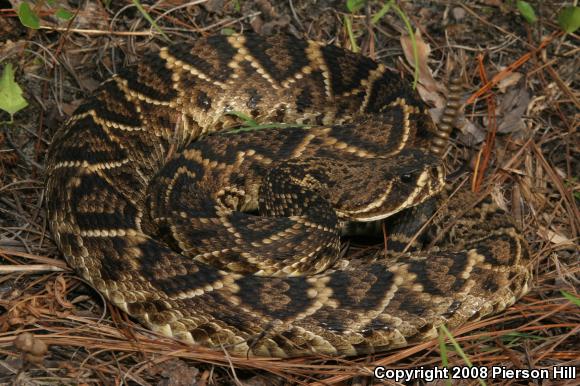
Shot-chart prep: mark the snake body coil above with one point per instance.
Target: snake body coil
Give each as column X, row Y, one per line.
column 159, row 216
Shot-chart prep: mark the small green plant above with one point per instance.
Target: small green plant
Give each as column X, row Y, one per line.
column 148, row 17
column 443, row 353
column 514, row 338
column 571, row 184
column 355, row 5
column 28, row 14
column 28, row 17
column 574, row 299
column 11, row 99
column 63, row 14
column 527, row 11
column 569, row 19
column 443, row 331
column 237, row 6
column 227, row 31
column 249, row 124
column 382, row 12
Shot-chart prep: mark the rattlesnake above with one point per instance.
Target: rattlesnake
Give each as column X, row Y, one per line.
column 159, row 215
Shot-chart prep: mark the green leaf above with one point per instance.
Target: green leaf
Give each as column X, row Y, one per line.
column 227, row 31
column 409, row 28
column 237, row 6
column 148, row 17
column 382, row 12
column 569, row 19
column 514, row 336
column 348, row 23
column 443, row 351
column 11, row 99
column 248, row 121
column 527, row 11
column 276, row 125
column 63, row 14
column 444, row 331
column 354, row 5
column 573, row 298
column 27, row 16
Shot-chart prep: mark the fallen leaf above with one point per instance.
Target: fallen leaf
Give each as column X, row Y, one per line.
column 509, row 81
column 432, row 97
column 511, row 110
column 176, row 372
column 493, row 3
column 28, row 16
column 471, row 134
column 33, row 348
column 458, row 13
column 553, row 237
column 423, row 51
column 214, row 6
column 92, row 15
column 11, row 99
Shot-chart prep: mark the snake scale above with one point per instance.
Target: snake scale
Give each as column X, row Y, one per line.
column 231, row 240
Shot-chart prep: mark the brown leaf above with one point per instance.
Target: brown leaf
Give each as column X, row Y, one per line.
column 432, row 97
column 510, row 80
column 423, row 51
column 553, row 237
column 33, row 348
column 92, row 15
column 471, row 134
column 176, row 372
column 511, row 109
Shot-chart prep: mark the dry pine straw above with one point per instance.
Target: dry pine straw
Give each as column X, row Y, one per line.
column 88, row 341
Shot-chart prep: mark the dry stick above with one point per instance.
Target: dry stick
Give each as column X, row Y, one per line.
column 565, row 89
column 175, row 21
column 133, row 34
column 541, row 314
column 548, row 65
column 511, row 68
column 490, row 138
column 479, row 171
column 29, row 268
column 571, row 127
column 46, row 260
column 565, row 193
column 41, row 118
column 382, row 362
column 97, row 31
column 509, row 352
column 144, row 33
column 489, row 24
column 412, row 350
column 557, row 343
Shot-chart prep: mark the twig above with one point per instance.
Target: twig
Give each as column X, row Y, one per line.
column 30, row 268
column 511, row 68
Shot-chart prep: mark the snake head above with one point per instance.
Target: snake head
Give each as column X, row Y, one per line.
column 379, row 188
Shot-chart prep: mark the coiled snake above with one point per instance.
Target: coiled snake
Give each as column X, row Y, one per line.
column 165, row 225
